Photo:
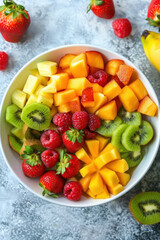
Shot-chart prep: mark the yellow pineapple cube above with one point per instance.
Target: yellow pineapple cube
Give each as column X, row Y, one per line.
column 47, row 68
column 42, row 79
column 53, row 111
column 45, row 100
column 39, row 88
column 47, row 95
column 32, row 99
column 31, row 84
column 19, row 98
column 50, row 88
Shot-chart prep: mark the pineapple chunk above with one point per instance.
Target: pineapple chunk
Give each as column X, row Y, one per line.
column 32, row 99
column 31, row 84
column 47, row 68
column 45, row 100
column 42, row 79
column 50, row 88
column 37, row 92
column 19, row 98
column 47, row 95
column 53, row 111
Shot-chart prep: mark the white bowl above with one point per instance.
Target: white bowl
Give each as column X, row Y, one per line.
column 14, row 162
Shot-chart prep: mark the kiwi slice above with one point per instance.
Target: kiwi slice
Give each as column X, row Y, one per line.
column 15, row 143
column 132, row 158
column 18, row 133
column 131, row 139
column 36, row 116
column 131, row 118
column 116, row 137
column 13, row 116
column 146, row 132
column 145, row 207
column 31, row 133
column 107, row 127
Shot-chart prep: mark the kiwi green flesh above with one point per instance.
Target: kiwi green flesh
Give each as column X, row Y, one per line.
column 107, row 127
column 18, row 133
column 15, row 143
column 36, row 116
column 132, row 158
column 13, row 116
column 116, row 138
column 131, row 138
column 131, row 118
column 146, row 132
column 145, row 207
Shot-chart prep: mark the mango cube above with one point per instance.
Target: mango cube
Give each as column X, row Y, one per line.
column 31, row 84
column 99, row 100
column 113, row 65
column 116, row 189
column 82, row 154
column 109, row 177
column 97, row 88
column 105, row 194
column 43, row 80
column 124, row 74
column 68, row 71
column 102, row 141
column 123, row 178
column 108, row 148
column 66, row 60
column 88, row 169
column 139, row 89
column 85, row 183
column 147, row 107
column 19, row 98
column 118, row 166
column 108, row 111
column 63, row 97
column 64, row 108
column 111, row 90
column 95, row 59
column 129, row 100
column 91, row 194
column 78, row 84
column 93, row 147
column 47, row 68
column 96, row 184
column 60, row 81
column 32, row 99
column 75, row 105
column 79, row 67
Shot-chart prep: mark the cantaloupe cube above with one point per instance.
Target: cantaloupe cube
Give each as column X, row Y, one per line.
column 116, row 189
column 91, row 194
column 129, row 100
column 63, row 97
column 60, row 80
column 38, row 89
column 106, row 157
column 88, row 169
column 108, row 148
column 139, row 89
column 64, row 108
column 83, row 156
column 123, row 178
column 108, row 111
column 118, row 166
column 31, row 84
column 96, row 184
column 102, row 141
column 147, row 107
column 124, row 74
column 43, row 80
column 111, row 90
column 19, row 98
column 68, row 71
column 95, row 59
column 105, row 194
column 97, row 88
column 47, row 68
column 85, row 182
column 79, row 67
column 112, row 66
column 45, row 100
column 93, row 147
column 99, row 100
column 78, row 84
column 53, row 111
column 32, row 99
column 109, row 177
column 66, row 60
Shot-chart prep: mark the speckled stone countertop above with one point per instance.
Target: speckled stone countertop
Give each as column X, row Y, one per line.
column 23, row 216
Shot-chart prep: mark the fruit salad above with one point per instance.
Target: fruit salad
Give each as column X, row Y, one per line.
column 79, row 125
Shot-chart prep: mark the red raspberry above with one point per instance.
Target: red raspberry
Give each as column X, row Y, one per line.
column 99, row 77
column 63, row 129
column 80, row 120
column 73, row 191
column 122, row 27
column 3, row 60
column 51, row 139
column 50, row 158
column 63, row 119
column 88, row 134
column 94, row 122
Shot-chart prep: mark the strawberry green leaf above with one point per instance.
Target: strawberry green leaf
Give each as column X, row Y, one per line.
column 99, row 2
column 14, row 14
column 2, row 8
column 23, row 13
column 46, row 191
column 29, row 150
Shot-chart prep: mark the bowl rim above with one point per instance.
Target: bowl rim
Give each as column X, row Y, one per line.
column 69, row 204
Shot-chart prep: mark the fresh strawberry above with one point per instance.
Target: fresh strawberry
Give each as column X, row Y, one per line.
column 100, row 77
column 87, row 95
column 32, row 165
column 102, row 8
column 122, row 27
column 73, row 190
column 14, row 21
column 94, row 122
column 50, row 158
column 88, row 134
column 117, row 80
column 3, row 60
column 69, row 165
column 63, row 119
column 73, row 139
column 153, row 15
column 51, row 139
column 51, row 183
column 80, row 120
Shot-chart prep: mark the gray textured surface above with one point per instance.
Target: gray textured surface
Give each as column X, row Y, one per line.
column 26, row 217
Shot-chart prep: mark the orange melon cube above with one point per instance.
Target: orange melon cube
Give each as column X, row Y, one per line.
column 64, row 108
column 139, row 89
column 68, row 71
column 116, row 189
column 93, row 70
column 83, row 156
column 112, row 66
column 63, row 97
column 85, row 183
column 99, row 100
column 111, row 90
column 66, row 60
column 118, row 166
column 105, row 194
column 93, row 147
column 78, row 84
column 109, row 177
column 88, row 169
column 108, row 111
column 96, row 184
column 60, row 80
column 123, row 178
column 95, row 59
column 147, row 107
column 124, row 74
column 102, row 141
column 97, row 88
column 79, row 67
column 129, row 100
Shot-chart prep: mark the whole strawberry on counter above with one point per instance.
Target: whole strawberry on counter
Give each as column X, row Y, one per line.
column 14, row 21
column 153, row 16
column 102, row 8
